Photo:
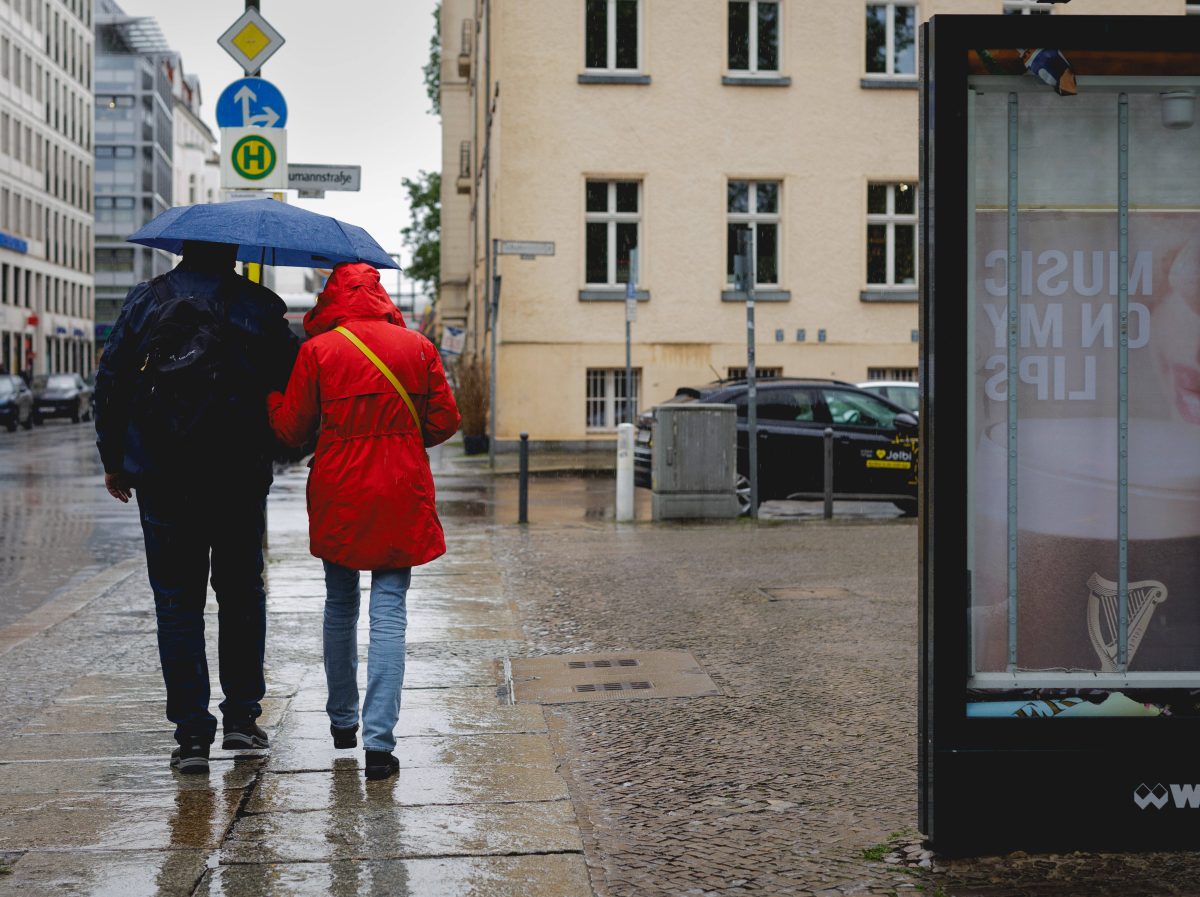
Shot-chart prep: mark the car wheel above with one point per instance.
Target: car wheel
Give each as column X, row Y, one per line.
column 742, row 484
column 11, row 426
column 909, row 507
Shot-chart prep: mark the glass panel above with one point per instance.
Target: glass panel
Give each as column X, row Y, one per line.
column 768, row 253
column 627, row 236
column 596, row 53
column 877, row 253
column 627, row 196
column 906, row 254
column 788, row 405
column 906, row 199
column 627, row 34
column 597, row 196
column 858, row 409
column 739, row 35
column 768, row 36
column 904, row 37
column 597, row 252
column 767, row 197
column 731, row 243
column 877, row 199
column 877, row 39
column 739, row 196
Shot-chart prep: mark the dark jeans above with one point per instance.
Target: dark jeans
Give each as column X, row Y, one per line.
column 181, row 528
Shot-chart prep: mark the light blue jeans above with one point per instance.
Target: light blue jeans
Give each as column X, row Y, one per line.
column 385, row 657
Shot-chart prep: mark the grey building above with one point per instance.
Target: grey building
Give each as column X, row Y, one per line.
column 46, row 185
column 134, row 146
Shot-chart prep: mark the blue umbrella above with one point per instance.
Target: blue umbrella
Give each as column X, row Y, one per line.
column 267, row 232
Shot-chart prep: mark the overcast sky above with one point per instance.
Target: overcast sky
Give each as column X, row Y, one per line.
column 351, row 74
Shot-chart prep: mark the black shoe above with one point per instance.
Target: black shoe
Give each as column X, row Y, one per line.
column 244, row 737
column 344, row 738
column 191, row 757
column 381, row 764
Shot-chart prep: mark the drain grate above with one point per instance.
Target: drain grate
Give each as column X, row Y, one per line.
column 593, row 687
column 568, row 678
column 601, row 664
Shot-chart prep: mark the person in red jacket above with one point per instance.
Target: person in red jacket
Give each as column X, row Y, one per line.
column 378, row 394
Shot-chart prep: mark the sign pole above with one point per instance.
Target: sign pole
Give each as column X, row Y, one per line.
column 630, row 317
column 495, row 308
column 747, row 272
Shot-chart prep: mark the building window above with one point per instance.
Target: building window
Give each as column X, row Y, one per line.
column 908, row 375
column 1027, row 8
column 753, row 36
column 612, row 35
column 608, row 400
column 892, row 39
column 754, row 205
column 892, row 235
column 613, row 226
column 759, row 373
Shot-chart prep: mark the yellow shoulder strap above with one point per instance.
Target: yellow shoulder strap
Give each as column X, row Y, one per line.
column 385, row 370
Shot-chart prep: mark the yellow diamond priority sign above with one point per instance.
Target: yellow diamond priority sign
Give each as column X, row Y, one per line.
column 254, row 158
column 251, row 41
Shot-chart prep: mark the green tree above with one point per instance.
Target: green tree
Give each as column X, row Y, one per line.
column 433, row 68
column 423, row 236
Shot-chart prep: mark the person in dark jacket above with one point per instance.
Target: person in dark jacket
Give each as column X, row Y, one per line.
column 201, row 465
column 379, row 396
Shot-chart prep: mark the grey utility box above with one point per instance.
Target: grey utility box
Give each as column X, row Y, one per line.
column 693, row 462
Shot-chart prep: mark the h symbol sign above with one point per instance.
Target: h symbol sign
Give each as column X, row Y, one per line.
column 254, row 156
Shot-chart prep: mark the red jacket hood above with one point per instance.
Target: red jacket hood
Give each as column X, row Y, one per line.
column 352, row 293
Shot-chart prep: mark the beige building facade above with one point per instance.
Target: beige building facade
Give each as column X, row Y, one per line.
column 666, row 126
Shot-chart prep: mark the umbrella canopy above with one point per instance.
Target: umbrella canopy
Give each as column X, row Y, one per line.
column 267, row 232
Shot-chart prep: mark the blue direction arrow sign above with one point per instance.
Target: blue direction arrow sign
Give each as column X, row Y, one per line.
column 251, row 103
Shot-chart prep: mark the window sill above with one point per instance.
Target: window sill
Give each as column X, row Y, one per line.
column 885, row 295
column 756, row 81
column 759, row 295
column 610, row 294
column 612, row 78
column 884, row 82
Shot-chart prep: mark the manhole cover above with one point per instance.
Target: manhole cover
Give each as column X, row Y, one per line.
column 562, row 679
column 796, row 593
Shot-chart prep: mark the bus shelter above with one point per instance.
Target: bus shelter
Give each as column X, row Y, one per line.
column 1060, row 493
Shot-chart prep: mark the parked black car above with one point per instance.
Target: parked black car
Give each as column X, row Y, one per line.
column 16, row 403
column 61, row 395
column 874, row 441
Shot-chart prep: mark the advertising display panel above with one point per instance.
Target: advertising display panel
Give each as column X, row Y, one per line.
column 1061, row 478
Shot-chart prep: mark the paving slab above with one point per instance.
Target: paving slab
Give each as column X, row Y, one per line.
column 122, row 776
column 121, row 688
column 440, row 711
column 74, row 873
column 398, row 832
column 419, row 673
column 138, row 716
column 561, row 875
column 454, row 771
column 190, row 818
column 119, row 745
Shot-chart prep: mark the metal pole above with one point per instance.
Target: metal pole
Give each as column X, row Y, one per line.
column 630, row 316
column 494, row 309
column 1123, row 385
column 1013, row 360
column 523, row 492
column 750, row 274
column 625, row 434
column 829, row 473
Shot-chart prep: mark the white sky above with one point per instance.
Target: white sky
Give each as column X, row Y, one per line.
column 350, row 72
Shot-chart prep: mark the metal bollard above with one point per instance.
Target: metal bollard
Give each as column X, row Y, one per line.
column 523, row 493
column 625, row 436
column 829, row 473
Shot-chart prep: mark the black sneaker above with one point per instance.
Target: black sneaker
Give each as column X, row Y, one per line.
column 244, row 737
column 381, row 764
column 191, row 758
column 344, row 738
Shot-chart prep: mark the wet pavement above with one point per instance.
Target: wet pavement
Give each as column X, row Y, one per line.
column 792, row 772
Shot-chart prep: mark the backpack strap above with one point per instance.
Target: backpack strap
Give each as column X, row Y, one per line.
column 385, row 370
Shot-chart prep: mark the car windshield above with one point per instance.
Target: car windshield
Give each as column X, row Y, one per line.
column 907, row 397
column 57, row 381
column 6, row 387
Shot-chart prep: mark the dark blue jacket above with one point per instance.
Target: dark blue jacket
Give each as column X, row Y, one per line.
column 244, row 457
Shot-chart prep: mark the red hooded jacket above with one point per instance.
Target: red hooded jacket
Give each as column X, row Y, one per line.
column 370, row 493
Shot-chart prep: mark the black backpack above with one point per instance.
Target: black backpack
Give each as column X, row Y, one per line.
column 185, row 371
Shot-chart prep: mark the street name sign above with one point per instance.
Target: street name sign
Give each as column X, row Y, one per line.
column 525, row 248
column 254, row 158
column 324, row 177
column 251, row 41
column 251, row 103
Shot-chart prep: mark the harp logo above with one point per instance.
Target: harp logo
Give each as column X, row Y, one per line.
column 1182, row 796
